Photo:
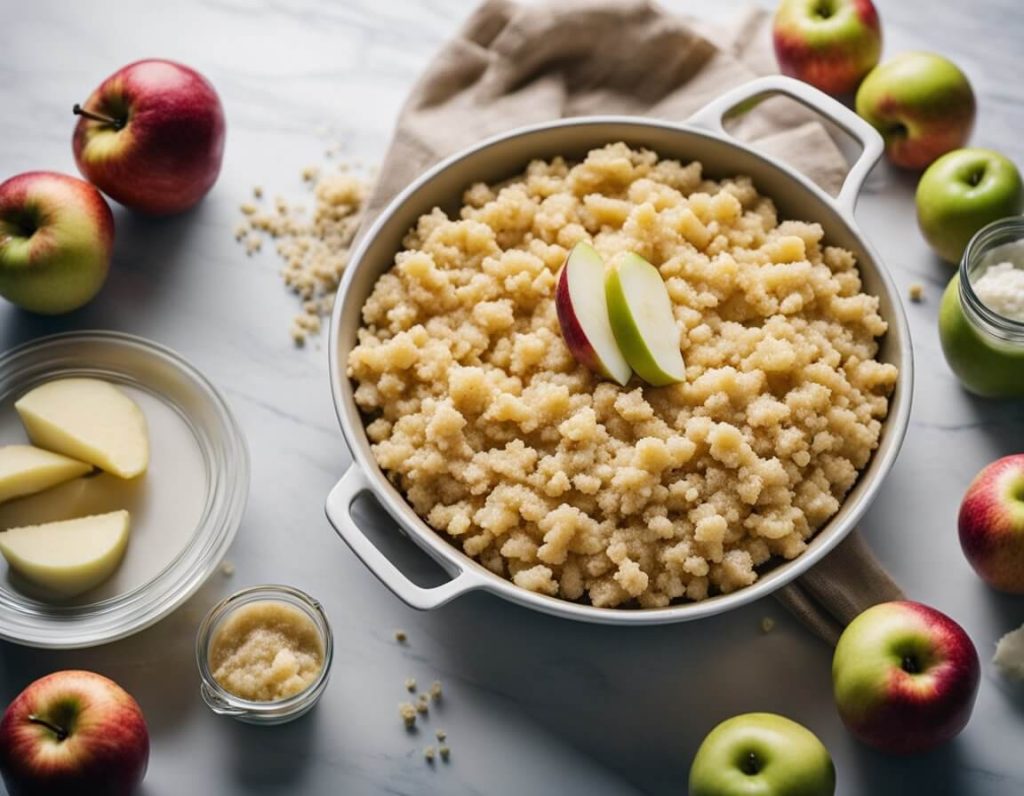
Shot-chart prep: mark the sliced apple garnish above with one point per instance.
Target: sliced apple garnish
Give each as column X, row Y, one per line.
column 640, row 312
column 25, row 470
column 90, row 420
column 583, row 314
column 71, row 556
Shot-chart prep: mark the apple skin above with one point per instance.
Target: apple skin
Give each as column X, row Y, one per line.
column 922, row 105
column 963, row 191
column 56, row 237
column 905, row 677
column 833, row 52
column 168, row 152
column 788, row 759
column 105, row 753
column 991, row 524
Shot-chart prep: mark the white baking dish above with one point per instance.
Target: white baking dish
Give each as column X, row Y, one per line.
column 701, row 138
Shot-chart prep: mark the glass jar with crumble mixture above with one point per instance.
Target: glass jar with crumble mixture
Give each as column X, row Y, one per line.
column 264, row 655
column 984, row 348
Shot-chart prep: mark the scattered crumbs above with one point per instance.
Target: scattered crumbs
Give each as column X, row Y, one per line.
column 408, row 713
column 227, row 569
column 312, row 244
column 767, row 624
column 257, row 191
column 916, row 292
column 410, row 684
column 428, row 754
column 435, row 690
column 441, row 735
column 400, row 636
column 422, row 705
column 445, row 753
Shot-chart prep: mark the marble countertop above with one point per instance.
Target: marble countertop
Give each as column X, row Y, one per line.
column 533, row 705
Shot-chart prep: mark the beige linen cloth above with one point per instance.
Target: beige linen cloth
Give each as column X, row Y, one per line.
column 516, row 63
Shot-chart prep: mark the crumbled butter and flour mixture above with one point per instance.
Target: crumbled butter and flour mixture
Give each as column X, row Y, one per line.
column 313, row 245
column 640, row 496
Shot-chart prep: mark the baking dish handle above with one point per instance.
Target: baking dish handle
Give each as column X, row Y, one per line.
column 711, row 116
column 339, row 512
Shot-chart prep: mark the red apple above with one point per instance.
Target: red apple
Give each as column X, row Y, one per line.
column 921, row 103
column 56, row 235
column 830, row 44
column 905, row 677
column 583, row 314
column 992, row 524
column 73, row 733
column 151, row 137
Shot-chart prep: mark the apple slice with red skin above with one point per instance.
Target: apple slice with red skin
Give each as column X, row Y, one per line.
column 640, row 312
column 583, row 315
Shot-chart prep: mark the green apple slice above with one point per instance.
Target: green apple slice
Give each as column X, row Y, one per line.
column 90, row 420
column 640, row 313
column 71, row 556
column 25, row 470
column 583, row 314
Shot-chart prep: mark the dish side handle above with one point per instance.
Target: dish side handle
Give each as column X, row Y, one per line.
column 339, row 512
column 711, row 116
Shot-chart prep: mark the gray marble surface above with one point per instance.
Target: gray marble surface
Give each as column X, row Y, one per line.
column 534, row 705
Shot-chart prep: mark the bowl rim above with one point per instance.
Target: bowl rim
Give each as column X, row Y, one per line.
column 124, row 615
column 454, row 560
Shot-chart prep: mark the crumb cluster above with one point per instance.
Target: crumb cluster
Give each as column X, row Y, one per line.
column 313, row 245
column 639, row 496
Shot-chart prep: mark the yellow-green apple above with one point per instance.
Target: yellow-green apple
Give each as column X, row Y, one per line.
column 640, row 312
column 905, row 677
column 963, row 191
column 583, row 314
column 151, row 136
column 830, row 44
column 762, row 754
column 56, row 235
column 73, row 733
column 991, row 524
column 921, row 103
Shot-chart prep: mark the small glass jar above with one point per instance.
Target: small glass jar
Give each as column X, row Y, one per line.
column 983, row 348
column 225, row 703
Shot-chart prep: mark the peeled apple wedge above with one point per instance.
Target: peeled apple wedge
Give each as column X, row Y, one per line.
column 25, row 470
column 71, row 556
column 640, row 313
column 583, row 314
column 88, row 419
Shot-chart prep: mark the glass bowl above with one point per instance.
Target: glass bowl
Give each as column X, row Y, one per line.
column 223, row 702
column 185, row 510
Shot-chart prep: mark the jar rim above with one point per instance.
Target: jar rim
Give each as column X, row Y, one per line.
column 233, row 705
column 997, row 232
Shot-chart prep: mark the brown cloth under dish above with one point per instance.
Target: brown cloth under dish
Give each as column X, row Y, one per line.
column 517, row 63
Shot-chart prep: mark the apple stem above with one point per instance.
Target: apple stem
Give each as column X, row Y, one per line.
column 78, row 110
column 751, row 765
column 60, row 732
column 910, row 664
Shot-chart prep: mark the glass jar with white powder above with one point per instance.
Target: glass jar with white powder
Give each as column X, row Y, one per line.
column 981, row 320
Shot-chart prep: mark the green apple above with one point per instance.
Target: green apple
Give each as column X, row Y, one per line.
column 640, row 313
column 963, row 191
column 56, row 235
column 921, row 103
column 762, row 754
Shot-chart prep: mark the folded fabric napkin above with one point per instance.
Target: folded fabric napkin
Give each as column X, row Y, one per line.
column 513, row 64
